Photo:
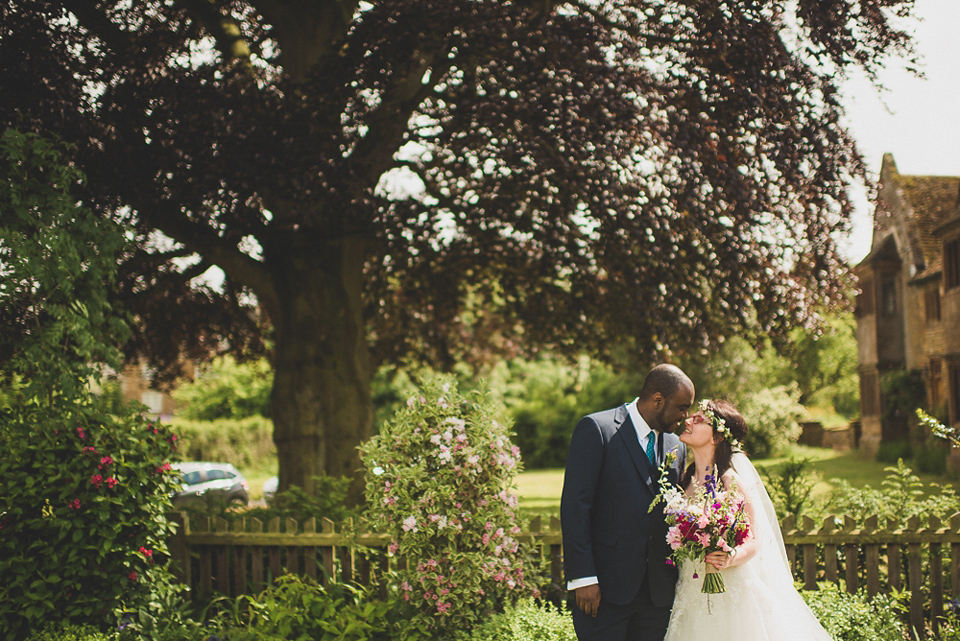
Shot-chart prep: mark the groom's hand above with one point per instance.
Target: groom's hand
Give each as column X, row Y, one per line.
column 588, row 598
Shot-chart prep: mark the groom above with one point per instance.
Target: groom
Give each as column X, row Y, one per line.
column 614, row 551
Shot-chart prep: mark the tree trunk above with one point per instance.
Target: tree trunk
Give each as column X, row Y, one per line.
column 321, row 400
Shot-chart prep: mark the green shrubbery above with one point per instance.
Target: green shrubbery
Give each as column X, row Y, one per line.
column 856, row 617
column 900, row 498
column 772, row 414
column 527, row 620
column 227, row 389
column 246, row 442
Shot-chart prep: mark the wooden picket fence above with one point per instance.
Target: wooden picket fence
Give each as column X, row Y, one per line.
column 244, row 556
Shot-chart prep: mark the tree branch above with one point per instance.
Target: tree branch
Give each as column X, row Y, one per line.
column 388, row 122
column 96, row 22
column 224, row 29
column 630, row 30
column 204, row 241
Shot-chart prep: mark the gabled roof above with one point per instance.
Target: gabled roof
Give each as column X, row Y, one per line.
column 934, row 200
column 912, row 208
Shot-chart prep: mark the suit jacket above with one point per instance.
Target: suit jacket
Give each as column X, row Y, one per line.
column 607, row 489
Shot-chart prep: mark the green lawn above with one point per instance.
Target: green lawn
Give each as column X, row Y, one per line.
column 539, row 490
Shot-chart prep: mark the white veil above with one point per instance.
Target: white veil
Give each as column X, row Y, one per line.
column 771, row 553
column 771, row 562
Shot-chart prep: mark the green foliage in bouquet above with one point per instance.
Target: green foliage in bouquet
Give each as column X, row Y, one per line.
column 83, row 503
column 439, row 481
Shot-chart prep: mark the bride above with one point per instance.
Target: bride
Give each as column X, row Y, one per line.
column 760, row 602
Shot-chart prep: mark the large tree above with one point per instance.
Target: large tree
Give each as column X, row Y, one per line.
column 435, row 179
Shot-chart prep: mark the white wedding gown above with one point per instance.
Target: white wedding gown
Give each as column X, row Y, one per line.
column 760, row 602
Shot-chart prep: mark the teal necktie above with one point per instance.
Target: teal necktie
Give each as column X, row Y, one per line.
column 652, row 448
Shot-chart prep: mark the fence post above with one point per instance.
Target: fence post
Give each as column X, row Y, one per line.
column 872, row 557
column 830, row 550
column 936, row 576
column 852, row 562
column 914, row 567
column 179, row 551
column 809, row 557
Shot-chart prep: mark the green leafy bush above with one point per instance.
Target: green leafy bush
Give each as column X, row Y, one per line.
column 528, row 620
column 299, row 608
column 790, row 485
column 856, row 617
column 67, row 632
column 227, row 389
column 772, row 414
column 546, row 397
column 246, row 442
column 900, row 498
column 83, row 503
column 439, row 482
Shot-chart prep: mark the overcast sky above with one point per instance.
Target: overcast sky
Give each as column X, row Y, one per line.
column 917, row 120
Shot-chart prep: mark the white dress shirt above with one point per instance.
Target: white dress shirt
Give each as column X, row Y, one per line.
column 643, row 433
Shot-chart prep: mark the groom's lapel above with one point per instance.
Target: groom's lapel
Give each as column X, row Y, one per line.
column 671, row 443
column 627, row 432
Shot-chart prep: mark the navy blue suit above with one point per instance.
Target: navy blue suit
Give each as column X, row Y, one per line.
column 607, row 530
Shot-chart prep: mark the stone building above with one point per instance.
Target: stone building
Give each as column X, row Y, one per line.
column 908, row 310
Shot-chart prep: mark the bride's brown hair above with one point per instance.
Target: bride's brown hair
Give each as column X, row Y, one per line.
column 734, row 424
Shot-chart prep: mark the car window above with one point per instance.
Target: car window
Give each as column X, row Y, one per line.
column 192, row 478
column 216, row 475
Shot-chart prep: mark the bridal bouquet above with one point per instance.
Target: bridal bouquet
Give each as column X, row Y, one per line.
column 712, row 519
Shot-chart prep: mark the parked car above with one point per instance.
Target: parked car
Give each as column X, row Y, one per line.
column 207, row 479
column 270, row 488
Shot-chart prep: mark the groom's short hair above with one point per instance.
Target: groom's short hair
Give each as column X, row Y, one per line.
column 664, row 378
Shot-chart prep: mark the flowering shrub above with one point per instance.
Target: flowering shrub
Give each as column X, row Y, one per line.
column 83, row 502
column 438, row 479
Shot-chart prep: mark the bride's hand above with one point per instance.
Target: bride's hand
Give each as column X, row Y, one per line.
column 721, row 560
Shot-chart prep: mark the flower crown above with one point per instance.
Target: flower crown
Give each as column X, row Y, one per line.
column 719, row 424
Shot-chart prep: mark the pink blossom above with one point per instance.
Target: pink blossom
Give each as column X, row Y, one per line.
column 410, row 524
column 393, row 547
column 81, row 433
column 132, row 576
column 405, row 586
column 111, row 482
column 442, row 607
column 106, row 460
column 75, row 504
column 96, row 480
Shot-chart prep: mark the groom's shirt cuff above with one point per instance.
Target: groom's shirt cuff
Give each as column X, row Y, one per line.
column 581, row 583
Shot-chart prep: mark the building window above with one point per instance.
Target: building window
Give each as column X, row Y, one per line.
column 951, row 264
column 865, row 305
column 936, row 383
column 932, row 302
column 888, row 297
column 953, row 375
column 869, row 394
